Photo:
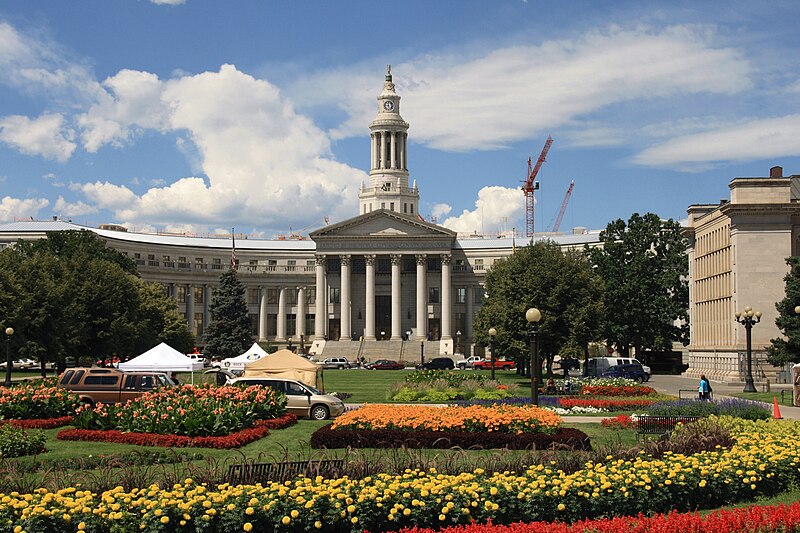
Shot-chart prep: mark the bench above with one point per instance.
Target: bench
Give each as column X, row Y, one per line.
column 660, row 425
column 249, row 473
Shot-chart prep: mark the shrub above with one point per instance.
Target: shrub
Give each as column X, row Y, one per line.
column 15, row 442
column 36, row 401
column 453, row 379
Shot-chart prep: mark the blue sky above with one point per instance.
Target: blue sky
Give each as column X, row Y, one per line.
column 199, row 116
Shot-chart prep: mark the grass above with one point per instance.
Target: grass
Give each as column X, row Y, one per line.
column 767, row 397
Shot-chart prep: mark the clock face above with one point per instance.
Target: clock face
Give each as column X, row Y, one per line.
column 388, row 105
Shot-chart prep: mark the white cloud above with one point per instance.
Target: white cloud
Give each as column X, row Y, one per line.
column 13, row 208
column 496, row 209
column 106, row 195
column 440, row 210
column 517, row 92
column 46, row 135
column 756, row 139
column 67, row 209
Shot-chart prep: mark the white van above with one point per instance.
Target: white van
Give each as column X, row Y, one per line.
column 598, row 365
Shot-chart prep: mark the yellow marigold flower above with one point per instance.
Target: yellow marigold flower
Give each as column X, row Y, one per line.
column 561, row 506
column 318, row 524
column 285, row 520
column 354, row 520
column 295, row 513
column 247, row 526
column 249, row 511
column 164, row 519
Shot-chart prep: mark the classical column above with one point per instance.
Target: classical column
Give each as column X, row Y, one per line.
column 369, row 329
column 470, row 312
column 281, row 333
column 344, row 315
column 190, row 308
column 372, row 150
column 447, row 308
column 422, row 310
column 383, row 149
column 262, row 315
column 393, row 155
column 396, row 312
column 207, row 307
column 301, row 312
column 321, row 317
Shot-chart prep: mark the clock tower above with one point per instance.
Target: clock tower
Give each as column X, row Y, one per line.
column 388, row 186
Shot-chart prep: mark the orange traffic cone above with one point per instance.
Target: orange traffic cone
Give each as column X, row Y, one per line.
column 776, row 411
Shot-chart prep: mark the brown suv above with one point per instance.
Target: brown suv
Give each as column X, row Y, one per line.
column 109, row 385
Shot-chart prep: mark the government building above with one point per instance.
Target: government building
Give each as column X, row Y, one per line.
column 385, row 283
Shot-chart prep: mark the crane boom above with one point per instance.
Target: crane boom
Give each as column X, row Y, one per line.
column 563, row 206
column 531, row 185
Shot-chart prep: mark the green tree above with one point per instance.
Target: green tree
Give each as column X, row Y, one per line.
column 787, row 350
column 560, row 284
column 645, row 271
column 228, row 334
column 75, row 297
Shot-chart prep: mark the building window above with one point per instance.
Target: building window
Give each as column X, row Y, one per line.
column 272, row 262
column 272, row 296
column 461, row 295
column 335, row 295
column 391, row 206
column 253, row 323
column 412, row 209
column 433, row 295
column 383, row 205
column 199, row 292
column 311, row 295
column 291, row 324
column 137, row 255
column 198, row 324
column 370, row 206
column 405, row 207
column 309, row 325
column 216, row 264
column 181, row 294
column 478, row 295
column 384, row 265
column 272, row 324
column 364, row 210
column 434, row 264
column 291, row 296
column 253, row 296
column 461, row 324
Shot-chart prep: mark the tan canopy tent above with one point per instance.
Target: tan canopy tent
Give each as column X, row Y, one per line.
column 285, row 364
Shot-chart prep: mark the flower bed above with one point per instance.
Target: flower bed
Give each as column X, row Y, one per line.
column 617, row 390
column 42, row 423
column 36, row 401
column 608, row 405
column 763, row 462
column 763, row 519
column 570, row 404
column 191, row 411
column 507, row 419
column 232, row 440
column 562, row 438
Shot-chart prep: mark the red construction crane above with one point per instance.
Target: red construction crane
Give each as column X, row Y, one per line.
column 531, row 185
column 563, row 207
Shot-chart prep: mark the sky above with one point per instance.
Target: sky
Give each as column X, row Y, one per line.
column 195, row 116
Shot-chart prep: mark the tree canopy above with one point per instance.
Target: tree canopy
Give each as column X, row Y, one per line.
column 560, row 284
column 645, row 271
column 787, row 350
column 74, row 297
column 228, row 334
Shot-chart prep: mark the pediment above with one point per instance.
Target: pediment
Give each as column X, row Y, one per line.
column 383, row 231
column 382, row 224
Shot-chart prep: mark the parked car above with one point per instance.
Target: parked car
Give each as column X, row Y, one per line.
column 111, row 385
column 463, row 364
column 385, row 364
column 21, row 364
column 198, row 357
column 499, row 364
column 598, row 365
column 437, row 363
column 629, row 371
column 336, row 362
column 301, row 399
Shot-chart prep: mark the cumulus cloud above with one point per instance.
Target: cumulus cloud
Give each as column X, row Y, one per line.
column 755, row 139
column 440, row 210
column 46, row 135
column 495, row 209
column 14, row 208
column 106, row 195
column 72, row 209
column 516, row 92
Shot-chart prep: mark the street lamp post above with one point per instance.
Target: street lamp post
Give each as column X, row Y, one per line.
column 492, row 333
column 421, row 352
column 533, row 316
column 9, row 333
column 748, row 318
column 458, row 341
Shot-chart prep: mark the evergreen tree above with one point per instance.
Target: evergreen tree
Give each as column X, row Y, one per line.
column 645, row 271
column 787, row 350
column 228, row 334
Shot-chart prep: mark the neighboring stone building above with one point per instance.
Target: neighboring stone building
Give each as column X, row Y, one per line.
column 404, row 285
column 737, row 259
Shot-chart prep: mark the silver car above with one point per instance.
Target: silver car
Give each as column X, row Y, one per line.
column 301, row 399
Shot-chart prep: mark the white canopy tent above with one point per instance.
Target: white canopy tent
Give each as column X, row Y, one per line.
column 162, row 358
column 238, row 363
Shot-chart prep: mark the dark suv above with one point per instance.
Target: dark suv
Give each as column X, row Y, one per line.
column 438, row 363
column 630, row 371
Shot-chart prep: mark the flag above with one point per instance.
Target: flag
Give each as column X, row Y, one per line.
column 234, row 261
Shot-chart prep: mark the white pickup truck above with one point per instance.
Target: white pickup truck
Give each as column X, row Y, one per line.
column 463, row 364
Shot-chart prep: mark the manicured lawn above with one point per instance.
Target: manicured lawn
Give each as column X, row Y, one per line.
column 767, row 397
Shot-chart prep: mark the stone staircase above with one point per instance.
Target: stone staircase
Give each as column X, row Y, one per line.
column 372, row 350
